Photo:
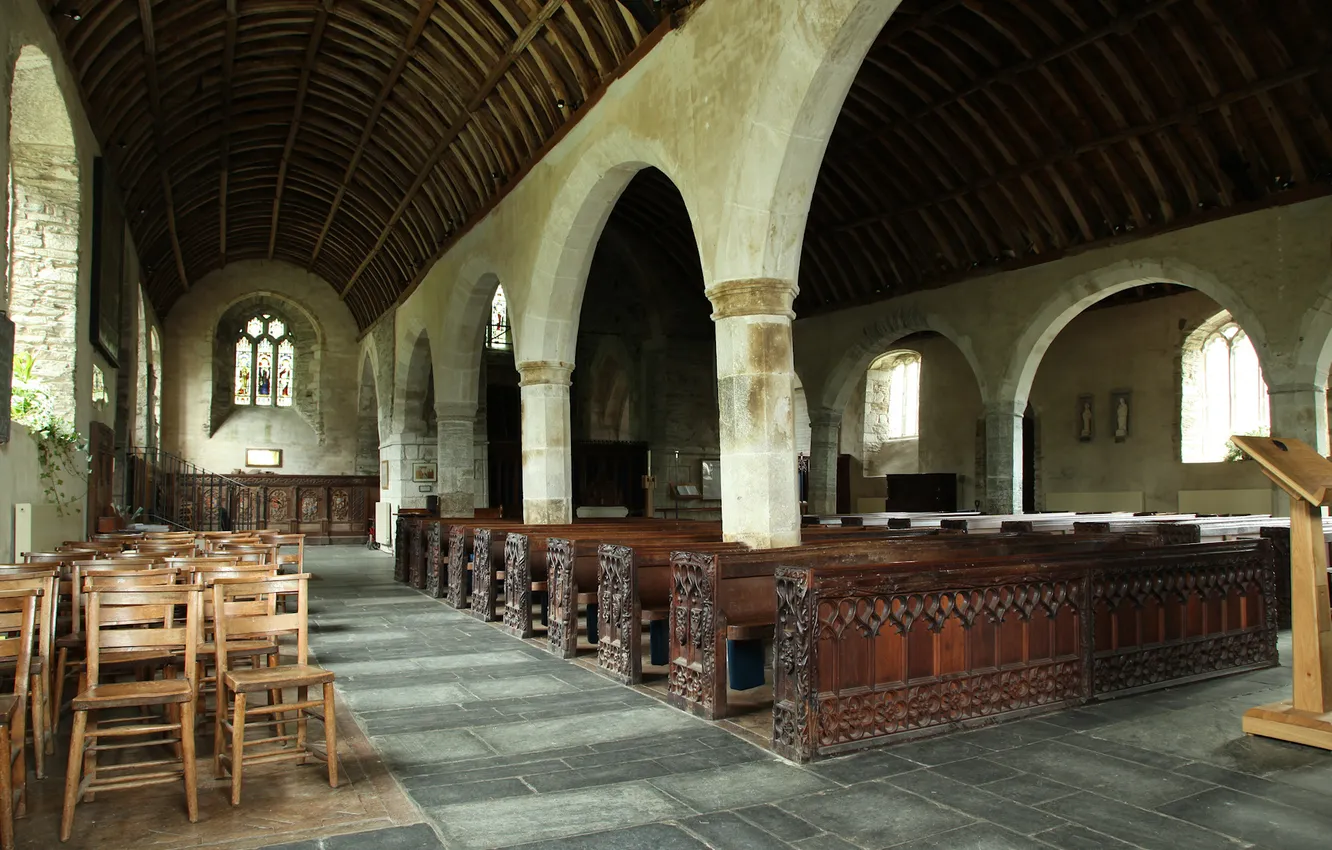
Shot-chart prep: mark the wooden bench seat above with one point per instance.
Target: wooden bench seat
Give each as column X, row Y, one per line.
column 878, row 652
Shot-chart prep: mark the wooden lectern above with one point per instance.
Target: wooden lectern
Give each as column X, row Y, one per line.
column 1307, row 477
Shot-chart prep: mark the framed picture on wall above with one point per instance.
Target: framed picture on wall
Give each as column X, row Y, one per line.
column 423, row 472
column 271, row 458
column 710, row 477
column 383, row 475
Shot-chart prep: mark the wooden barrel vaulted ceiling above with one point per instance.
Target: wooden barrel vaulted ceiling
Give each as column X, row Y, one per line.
column 351, row 137
column 984, row 134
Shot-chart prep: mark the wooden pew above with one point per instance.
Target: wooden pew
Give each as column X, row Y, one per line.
column 408, row 563
column 635, row 581
column 871, row 653
column 731, row 596
column 525, row 561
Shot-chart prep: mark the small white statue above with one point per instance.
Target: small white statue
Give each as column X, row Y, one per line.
column 1086, row 420
column 1121, row 418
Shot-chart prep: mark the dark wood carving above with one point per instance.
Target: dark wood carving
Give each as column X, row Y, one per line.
column 866, row 655
column 619, row 612
column 435, row 561
column 1280, row 540
column 563, row 628
column 517, row 586
column 459, row 537
column 400, row 549
column 483, row 576
column 416, row 552
column 697, row 666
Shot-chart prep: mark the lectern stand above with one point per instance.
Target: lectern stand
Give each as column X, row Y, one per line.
column 1307, row 477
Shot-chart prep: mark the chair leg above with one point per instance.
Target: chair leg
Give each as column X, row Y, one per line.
column 90, row 757
column 38, row 698
column 7, row 795
column 237, row 748
column 219, row 729
column 17, row 754
column 331, row 736
column 188, row 760
column 62, row 670
column 302, row 696
column 73, row 774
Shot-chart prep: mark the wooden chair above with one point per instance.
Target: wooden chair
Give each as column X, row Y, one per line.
column 128, row 623
column 18, row 616
column 235, row 686
column 65, row 558
column 44, row 582
column 252, row 651
column 296, row 558
column 250, row 553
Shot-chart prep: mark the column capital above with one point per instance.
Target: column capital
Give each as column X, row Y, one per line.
column 1005, row 408
column 455, row 411
column 825, row 416
column 538, row 372
column 762, row 296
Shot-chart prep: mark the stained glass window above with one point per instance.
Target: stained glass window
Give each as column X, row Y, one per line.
column 260, row 379
column 497, row 326
column 244, row 369
column 286, row 359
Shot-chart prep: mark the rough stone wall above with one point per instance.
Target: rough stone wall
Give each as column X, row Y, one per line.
column 319, row 440
column 44, row 284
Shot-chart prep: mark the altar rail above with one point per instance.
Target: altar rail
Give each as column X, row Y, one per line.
column 866, row 655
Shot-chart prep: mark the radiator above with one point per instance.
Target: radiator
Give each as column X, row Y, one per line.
column 384, row 524
column 22, row 531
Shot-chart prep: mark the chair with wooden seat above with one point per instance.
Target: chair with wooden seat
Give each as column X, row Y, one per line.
column 44, row 582
column 289, row 558
column 233, row 600
column 121, row 625
column 18, row 618
column 250, row 553
column 253, row 651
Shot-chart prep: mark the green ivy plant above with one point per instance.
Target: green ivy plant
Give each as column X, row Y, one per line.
column 61, row 450
column 1234, row 453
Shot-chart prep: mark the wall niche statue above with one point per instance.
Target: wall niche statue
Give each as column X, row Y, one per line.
column 1120, row 411
column 1086, row 421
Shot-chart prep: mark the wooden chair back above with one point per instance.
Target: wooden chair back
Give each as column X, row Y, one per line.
column 189, row 562
column 61, row 558
column 139, row 619
column 168, row 551
column 95, row 545
column 284, row 558
column 111, row 579
column 233, row 604
column 44, row 583
column 18, row 627
column 251, row 553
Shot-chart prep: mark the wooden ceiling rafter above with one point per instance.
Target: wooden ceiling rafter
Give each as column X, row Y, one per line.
column 155, row 100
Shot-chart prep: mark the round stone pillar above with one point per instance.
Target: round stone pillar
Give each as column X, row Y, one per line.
column 547, row 453
column 456, row 435
column 1003, row 459
column 1298, row 412
column 760, row 501
column 825, row 431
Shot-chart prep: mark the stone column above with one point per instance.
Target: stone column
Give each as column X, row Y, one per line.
column 1298, row 411
column 825, row 430
column 401, row 451
column 547, row 454
column 455, row 424
column 1003, row 459
column 760, row 502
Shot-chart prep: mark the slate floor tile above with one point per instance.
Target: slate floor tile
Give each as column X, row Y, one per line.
column 975, row 771
column 976, row 802
column 1148, row 830
column 728, row 831
column 826, row 841
column 1005, row 736
column 1029, row 789
column 657, row 836
column 937, row 751
column 1254, row 819
column 418, row 837
column 1121, row 780
column 1074, row 837
column 584, row 729
column 861, row 814
column 1150, row 757
column 1280, row 792
column 976, row 836
column 863, row 767
column 747, row 785
column 779, row 823
column 448, row 793
column 610, row 774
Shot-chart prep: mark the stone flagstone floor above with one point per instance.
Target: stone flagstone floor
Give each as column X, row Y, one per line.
column 503, row 745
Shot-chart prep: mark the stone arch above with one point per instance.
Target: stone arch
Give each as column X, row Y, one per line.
column 44, row 245
column 1314, row 358
column 879, row 337
column 1075, row 296
column 814, row 64
column 308, row 336
column 550, row 307
column 416, row 394
column 368, row 435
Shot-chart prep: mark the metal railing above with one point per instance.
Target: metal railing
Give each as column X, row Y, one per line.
column 172, row 491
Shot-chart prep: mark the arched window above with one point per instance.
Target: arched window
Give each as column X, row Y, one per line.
column 1224, row 391
column 892, row 396
column 155, row 354
column 497, row 326
column 265, row 362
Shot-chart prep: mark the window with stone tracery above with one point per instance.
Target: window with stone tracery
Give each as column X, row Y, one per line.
column 1224, row 391
column 892, row 397
column 497, row 326
column 265, row 363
